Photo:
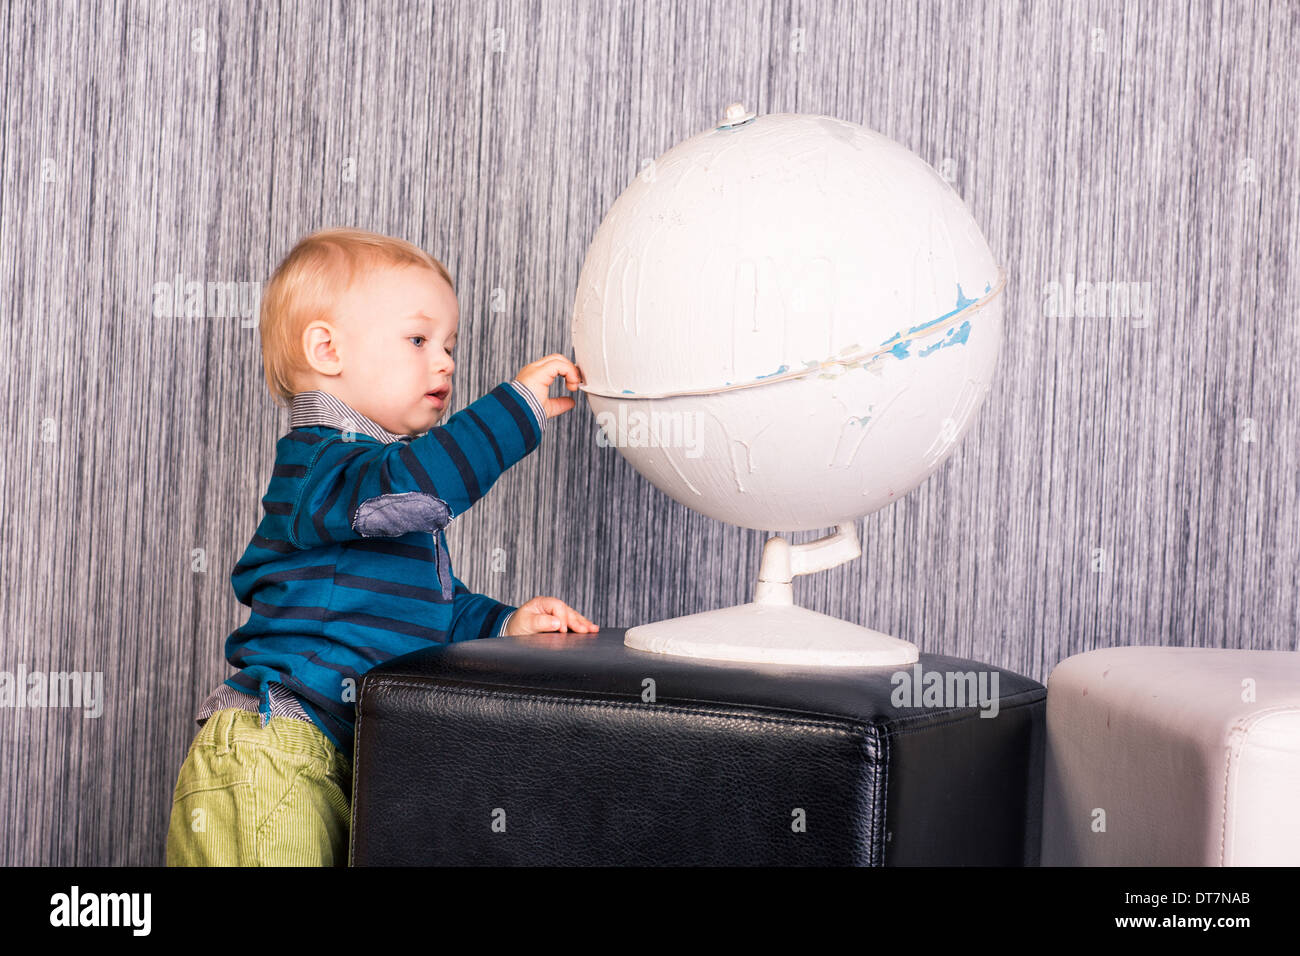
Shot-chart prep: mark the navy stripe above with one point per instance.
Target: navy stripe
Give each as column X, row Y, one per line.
column 466, row 471
column 353, row 501
column 491, row 622
column 350, row 672
column 412, row 463
column 309, row 573
column 395, row 588
column 270, row 544
column 487, row 433
column 393, row 624
column 394, row 546
column 318, row 519
column 288, row 612
column 307, row 438
column 246, row 653
column 533, row 403
column 244, row 682
column 527, row 425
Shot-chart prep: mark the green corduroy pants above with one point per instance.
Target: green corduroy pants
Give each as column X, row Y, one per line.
column 249, row 795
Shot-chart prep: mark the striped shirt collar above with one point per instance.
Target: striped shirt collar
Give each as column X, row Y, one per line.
column 322, row 408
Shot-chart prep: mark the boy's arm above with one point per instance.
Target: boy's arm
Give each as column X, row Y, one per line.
column 365, row 489
column 475, row 616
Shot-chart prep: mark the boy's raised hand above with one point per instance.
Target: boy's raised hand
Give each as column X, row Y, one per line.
column 538, row 376
column 545, row 613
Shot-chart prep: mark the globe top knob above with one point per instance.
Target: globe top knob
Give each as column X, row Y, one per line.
column 734, row 115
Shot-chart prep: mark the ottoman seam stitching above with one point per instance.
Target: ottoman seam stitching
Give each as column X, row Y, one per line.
column 356, row 773
column 880, row 799
column 1241, row 728
column 847, row 726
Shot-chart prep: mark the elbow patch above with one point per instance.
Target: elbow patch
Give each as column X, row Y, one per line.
column 394, row 515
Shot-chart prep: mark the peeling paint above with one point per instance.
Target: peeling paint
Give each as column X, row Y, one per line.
column 954, row 336
column 958, row 335
column 962, row 303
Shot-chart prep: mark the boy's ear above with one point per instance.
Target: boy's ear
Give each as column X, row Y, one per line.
column 318, row 341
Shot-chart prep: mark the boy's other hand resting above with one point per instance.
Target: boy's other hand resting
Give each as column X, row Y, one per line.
column 539, row 375
column 544, row 614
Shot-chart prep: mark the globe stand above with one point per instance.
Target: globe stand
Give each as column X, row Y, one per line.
column 771, row 629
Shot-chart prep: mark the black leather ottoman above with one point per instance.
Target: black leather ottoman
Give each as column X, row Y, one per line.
column 553, row 750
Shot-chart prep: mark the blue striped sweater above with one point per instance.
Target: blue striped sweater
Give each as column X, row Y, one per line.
column 349, row 566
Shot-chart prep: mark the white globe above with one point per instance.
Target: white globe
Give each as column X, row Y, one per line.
column 787, row 322
column 806, row 306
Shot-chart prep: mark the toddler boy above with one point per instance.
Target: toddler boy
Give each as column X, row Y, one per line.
column 349, row 566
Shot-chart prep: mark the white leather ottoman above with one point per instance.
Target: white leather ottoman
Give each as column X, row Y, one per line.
column 1165, row 749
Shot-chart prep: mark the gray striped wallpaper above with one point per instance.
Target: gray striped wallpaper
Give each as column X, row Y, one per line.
column 1131, row 479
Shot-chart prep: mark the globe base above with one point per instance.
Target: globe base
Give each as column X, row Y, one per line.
column 762, row 633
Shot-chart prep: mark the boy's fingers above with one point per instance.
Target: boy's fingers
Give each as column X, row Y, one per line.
column 565, row 615
column 559, row 615
column 572, row 374
column 586, row 624
column 573, row 377
column 554, row 610
column 554, row 408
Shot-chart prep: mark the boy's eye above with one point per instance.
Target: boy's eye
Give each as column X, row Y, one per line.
column 420, row 338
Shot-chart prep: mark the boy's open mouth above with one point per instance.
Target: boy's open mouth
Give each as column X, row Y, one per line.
column 439, row 397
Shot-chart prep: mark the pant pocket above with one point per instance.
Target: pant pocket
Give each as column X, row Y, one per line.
column 309, row 826
column 213, row 818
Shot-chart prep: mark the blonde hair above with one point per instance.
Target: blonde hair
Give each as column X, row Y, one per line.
column 306, row 285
